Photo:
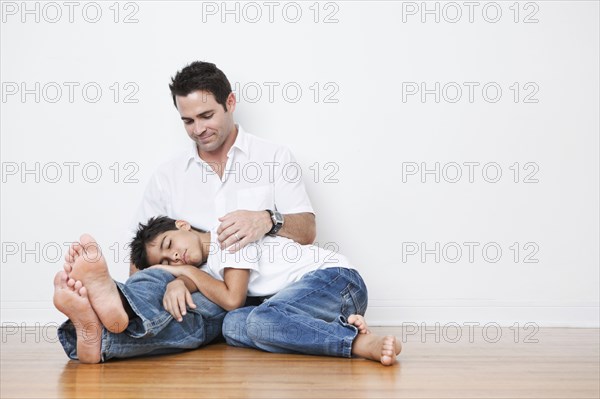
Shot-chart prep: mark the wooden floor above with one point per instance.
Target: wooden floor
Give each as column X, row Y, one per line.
column 564, row 363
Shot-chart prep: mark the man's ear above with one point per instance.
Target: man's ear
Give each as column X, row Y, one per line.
column 182, row 225
column 230, row 102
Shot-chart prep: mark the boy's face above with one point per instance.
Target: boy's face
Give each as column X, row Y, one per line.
column 176, row 247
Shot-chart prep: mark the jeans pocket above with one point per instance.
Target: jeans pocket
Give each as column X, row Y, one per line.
column 354, row 300
column 348, row 303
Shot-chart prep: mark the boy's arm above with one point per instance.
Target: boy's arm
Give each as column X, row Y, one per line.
column 187, row 282
column 229, row 294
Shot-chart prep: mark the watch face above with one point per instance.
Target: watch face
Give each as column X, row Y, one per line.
column 277, row 217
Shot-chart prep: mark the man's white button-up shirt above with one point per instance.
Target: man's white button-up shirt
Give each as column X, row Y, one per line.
column 258, row 175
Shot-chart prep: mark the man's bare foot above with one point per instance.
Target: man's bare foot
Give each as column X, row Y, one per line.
column 76, row 306
column 382, row 349
column 359, row 322
column 86, row 267
column 73, row 251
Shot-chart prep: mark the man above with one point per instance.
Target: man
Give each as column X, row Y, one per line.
column 202, row 187
column 245, row 185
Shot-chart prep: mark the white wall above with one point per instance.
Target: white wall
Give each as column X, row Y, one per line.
column 368, row 137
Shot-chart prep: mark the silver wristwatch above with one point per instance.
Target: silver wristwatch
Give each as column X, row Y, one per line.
column 277, row 219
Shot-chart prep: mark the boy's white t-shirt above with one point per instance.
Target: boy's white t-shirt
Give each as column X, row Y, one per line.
column 274, row 262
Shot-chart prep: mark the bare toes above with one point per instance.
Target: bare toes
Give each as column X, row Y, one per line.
column 73, row 252
column 68, row 268
column 90, row 247
column 69, row 255
column 388, row 360
column 60, row 280
column 389, row 351
column 359, row 322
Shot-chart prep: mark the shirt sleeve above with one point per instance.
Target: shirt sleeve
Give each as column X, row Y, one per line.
column 246, row 258
column 290, row 193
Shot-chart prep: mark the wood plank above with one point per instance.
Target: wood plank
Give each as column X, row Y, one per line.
column 564, row 363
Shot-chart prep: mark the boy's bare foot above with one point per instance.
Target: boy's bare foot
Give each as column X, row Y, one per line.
column 359, row 322
column 382, row 349
column 86, row 267
column 76, row 306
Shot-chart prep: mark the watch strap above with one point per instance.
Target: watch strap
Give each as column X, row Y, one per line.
column 277, row 225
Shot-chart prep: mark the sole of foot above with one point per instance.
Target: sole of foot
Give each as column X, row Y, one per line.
column 88, row 269
column 77, row 307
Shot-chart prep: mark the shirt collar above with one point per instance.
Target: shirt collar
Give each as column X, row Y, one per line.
column 241, row 143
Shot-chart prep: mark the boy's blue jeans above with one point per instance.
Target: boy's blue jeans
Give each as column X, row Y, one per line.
column 309, row 316
column 153, row 331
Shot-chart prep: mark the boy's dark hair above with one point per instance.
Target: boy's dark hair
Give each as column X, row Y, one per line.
column 203, row 76
column 145, row 234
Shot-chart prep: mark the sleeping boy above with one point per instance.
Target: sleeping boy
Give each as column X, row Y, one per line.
column 302, row 298
column 311, row 299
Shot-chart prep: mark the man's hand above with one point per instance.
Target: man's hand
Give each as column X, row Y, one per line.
column 175, row 299
column 240, row 228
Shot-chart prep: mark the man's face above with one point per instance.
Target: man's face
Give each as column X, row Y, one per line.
column 205, row 120
column 175, row 247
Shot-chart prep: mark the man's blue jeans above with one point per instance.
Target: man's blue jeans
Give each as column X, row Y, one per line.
column 153, row 331
column 309, row 316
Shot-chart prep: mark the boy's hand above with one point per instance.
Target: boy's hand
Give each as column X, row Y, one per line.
column 175, row 299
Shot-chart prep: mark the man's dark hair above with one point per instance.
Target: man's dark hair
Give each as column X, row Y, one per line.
column 203, row 76
column 145, row 234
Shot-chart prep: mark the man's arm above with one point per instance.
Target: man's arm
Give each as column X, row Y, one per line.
column 300, row 227
column 240, row 228
column 229, row 294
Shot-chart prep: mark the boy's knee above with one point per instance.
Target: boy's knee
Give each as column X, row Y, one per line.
column 234, row 324
column 262, row 324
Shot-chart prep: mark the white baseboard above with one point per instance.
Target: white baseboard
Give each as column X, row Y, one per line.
column 503, row 313
column 393, row 313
